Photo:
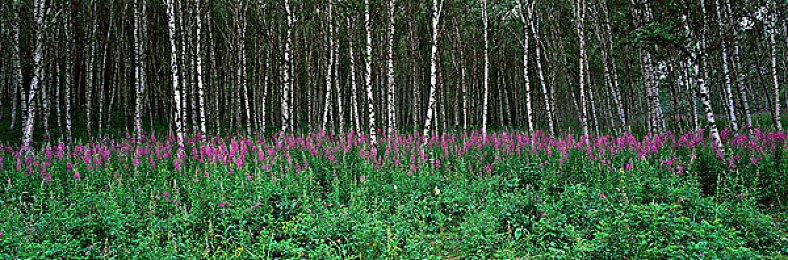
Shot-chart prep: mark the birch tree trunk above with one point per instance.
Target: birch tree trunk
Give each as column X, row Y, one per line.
column 739, row 71
column 368, row 75
column 725, row 70
column 17, row 64
column 609, row 63
column 353, row 81
column 773, row 58
column 540, row 72
column 436, row 12
column 179, row 129
column 704, row 92
column 287, row 70
column 68, row 75
column 337, row 75
column 580, row 14
column 90, row 71
column 392, row 116
column 200, row 80
column 242, row 25
column 527, row 84
column 36, row 82
column 329, row 64
column 139, row 65
column 486, row 69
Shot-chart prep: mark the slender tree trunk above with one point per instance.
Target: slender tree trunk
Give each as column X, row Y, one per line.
column 773, row 58
column 704, row 92
column 608, row 62
column 36, row 81
column 436, row 12
column 68, row 75
column 580, row 15
column 725, row 70
column 242, row 65
column 287, row 71
column 740, row 85
column 175, row 74
column 200, row 91
column 540, row 72
column 392, row 116
column 329, row 64
column 17, row 64
column 528, row 110
column 353, row 81
column 486, row 69
column 368, row 75
column 139, row 65
column 337, row 76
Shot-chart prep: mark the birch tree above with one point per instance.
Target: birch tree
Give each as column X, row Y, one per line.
column 526, row 24
column 701, row 79
column 368, row 75
column 486, row 68
column 17, row 65
column 329, row 64
column 36, row 81
column 392, row 116
column 179, row 129
column 739, row 71
column 540, row 72
column 200, row 91
column 580, row 17
column 725, row 70
column 353, row 82
column 139, row 65
column 772, row 31
column 287, row 71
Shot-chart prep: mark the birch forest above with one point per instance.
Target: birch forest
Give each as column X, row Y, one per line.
column 91, row 68
column 393, row 129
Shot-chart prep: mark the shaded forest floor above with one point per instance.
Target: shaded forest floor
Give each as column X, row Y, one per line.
column 509, row 195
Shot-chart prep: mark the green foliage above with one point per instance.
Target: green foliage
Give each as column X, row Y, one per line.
column 527, row 206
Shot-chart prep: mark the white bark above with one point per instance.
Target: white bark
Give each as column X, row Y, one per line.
column 486, row 70
column 90, row 71
column 139, row 65
column 580, row 15
column 704, row 92
column 16, row 61
column 179, row 129
column 609, row 64
column 540, row 72
column 243, row 24
column 529, row 111
column 36, row 82
column 353, row 81
column 436, row 13
column 69, row 81
column 337, row 77
column 725, row 70
column 739, row 71
column 200, row 91
column 329, row 64
column 368, row 75
column 287, row 67
column 773, row 59
column 392, row 116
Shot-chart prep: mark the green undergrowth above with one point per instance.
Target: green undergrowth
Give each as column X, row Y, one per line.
column 518, row 209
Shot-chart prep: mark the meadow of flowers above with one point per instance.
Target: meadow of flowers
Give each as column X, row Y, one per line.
column 507, row 195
